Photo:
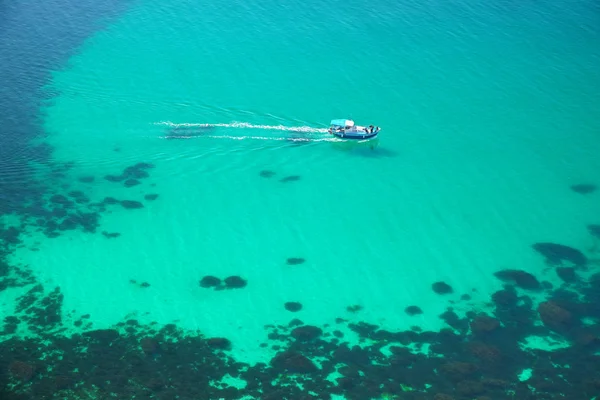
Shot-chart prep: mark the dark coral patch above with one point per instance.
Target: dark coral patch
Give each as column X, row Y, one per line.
column 134, row 172
column 522, row 279
column 77, row 195
column 567, row 274
column 266, row 173
column 210, row 281
column 110, row 201
column 295, row 261
column 235, row 282
column 293, row 306
column 21, row 371
column 111, row 235
column 354, row 308
column 114, row 178
column 219, row 343
column 131, row 182
column 291, row 178
column 131, row 204
column 554, row 316
column 150, row 345
column 306, row 333
column 60, row 199
column 151, row 196
column 584, row 188
column 594, row 230
column 483, row 324
column 10, row 236
column 555, row 254
column 293, row 362
column 86, row 179
column 442, row 288
column 413, row 310
column 457, row 371
column 452, row 319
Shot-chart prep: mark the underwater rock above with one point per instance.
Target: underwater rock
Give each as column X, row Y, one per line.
column 219, row 343
column 210, row 281
column 235, row 282
column 110, row 201
column 457, row 370
column 555, row 254
column 266, row 173
column 131, row 182
column 151, row 196
column 442, row 288
column 293, row 362
column 470, row 388
column 452, row 319
column 293, row 306
column 137, row 171
column 354, row 309
column 103, row 336
column 293, row 323
column 111, row 235
column 522, row 279
column 295, row 261
column 594, row 230
column 443, row 396
column 149, row 345
column 68, row 223
column 114, row 178
column 86, row 179
column 76, row 194
column 10, row 235
column 21, row 371
column 306, row 333
column 413, row 310
column 584, row 188
column 133, row 173
column 554, row 316
column 485, row 352
column 483, row 324
column 505, row 298
column 291, row 178
column 131, row 204
column 60, row 199
column 567, row 274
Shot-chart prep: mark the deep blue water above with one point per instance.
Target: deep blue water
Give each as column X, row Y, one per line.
column 35, row 38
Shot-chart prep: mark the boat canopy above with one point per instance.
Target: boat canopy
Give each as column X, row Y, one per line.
column 342, row 122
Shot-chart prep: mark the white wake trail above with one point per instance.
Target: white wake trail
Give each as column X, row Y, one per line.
column 325, row 139
column 246, row 125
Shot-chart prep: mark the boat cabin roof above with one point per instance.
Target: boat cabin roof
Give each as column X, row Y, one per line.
column 342, row 122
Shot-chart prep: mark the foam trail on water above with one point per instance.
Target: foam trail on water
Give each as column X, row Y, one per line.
column 326, row 139
column 246, row 125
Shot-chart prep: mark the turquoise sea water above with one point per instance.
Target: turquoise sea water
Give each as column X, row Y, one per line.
column 489, row 113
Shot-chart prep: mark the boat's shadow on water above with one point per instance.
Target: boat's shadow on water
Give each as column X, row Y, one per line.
column 368, row 148
column 364, row 148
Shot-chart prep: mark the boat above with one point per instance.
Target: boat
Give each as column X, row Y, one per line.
column 346, row 129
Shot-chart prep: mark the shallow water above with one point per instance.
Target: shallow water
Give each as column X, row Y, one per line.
column 488, row 116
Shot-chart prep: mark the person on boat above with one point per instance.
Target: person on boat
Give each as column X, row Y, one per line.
column 371, row 128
